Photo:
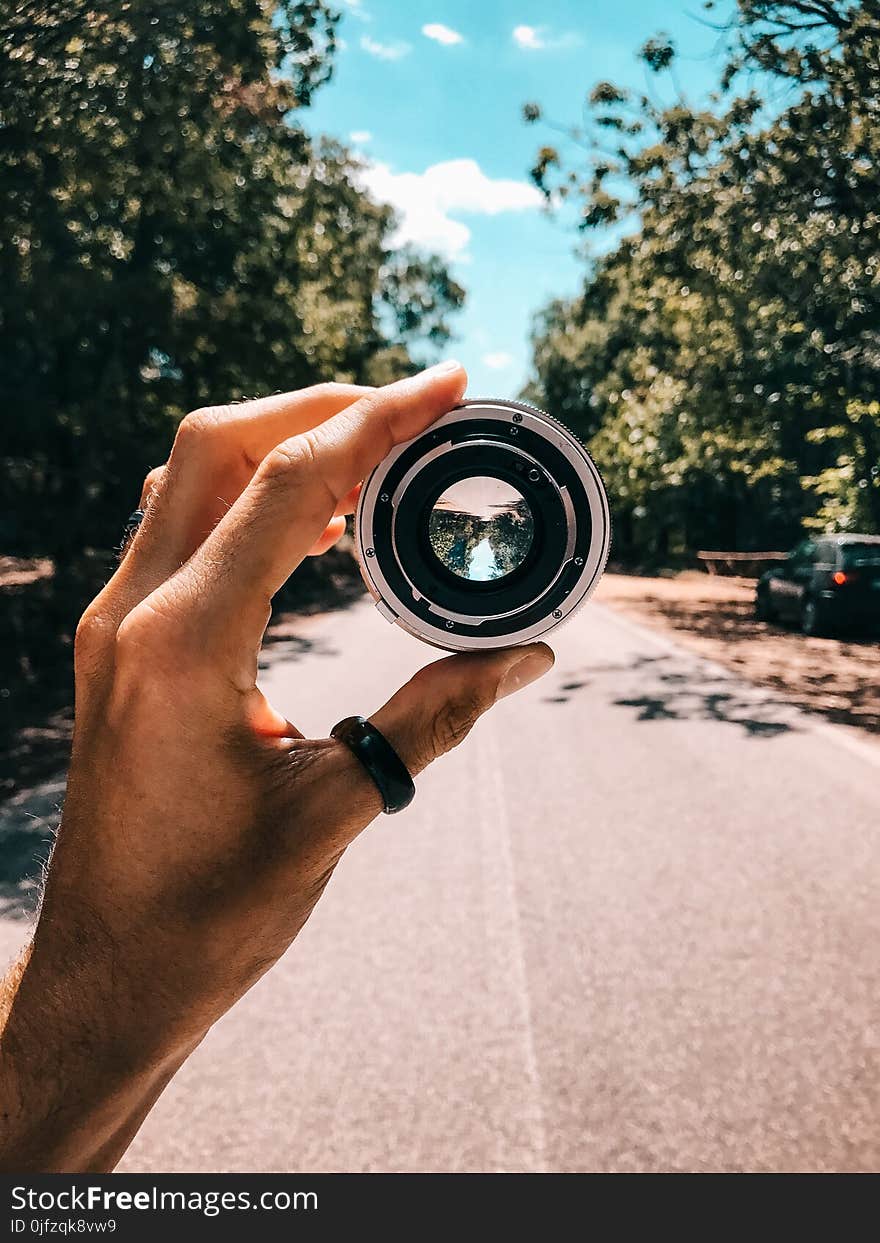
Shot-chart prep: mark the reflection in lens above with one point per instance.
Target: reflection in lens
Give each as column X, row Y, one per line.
column 481, row 528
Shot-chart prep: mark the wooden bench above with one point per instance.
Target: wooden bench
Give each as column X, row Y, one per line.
column 746, row 564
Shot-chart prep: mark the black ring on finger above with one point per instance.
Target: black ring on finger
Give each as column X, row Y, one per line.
column 390, row 775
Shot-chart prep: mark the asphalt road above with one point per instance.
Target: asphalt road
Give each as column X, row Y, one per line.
column 631, row 924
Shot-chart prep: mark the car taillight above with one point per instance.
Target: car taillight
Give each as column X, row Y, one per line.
column 840, row 578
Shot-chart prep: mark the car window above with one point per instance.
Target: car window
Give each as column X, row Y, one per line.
column 804, row 553
column 860, row 556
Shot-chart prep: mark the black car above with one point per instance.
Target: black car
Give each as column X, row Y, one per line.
column 826, row 584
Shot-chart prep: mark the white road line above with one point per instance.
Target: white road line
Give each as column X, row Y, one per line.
column 808, row 722
column 506, row 957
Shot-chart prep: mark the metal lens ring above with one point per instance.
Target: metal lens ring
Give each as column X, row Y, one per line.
column 487, row 530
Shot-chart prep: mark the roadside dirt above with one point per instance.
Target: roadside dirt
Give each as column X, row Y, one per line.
column 837, row 678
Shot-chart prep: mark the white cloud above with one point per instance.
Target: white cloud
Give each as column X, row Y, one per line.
column 360, row 136
column 527, row 36
column 356, row 9
column 441, row 33
column 537, row 39
column 385, row 51
column 428, row 202
column 498, row 360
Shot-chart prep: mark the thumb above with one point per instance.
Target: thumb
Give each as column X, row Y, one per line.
column 437, row 708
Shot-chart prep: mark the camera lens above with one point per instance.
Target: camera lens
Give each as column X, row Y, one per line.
column 486, row 530
column 481, row 528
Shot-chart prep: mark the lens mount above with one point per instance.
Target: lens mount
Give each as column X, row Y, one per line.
column 487, row 530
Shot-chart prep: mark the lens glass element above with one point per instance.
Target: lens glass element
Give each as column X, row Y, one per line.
column 481, row 528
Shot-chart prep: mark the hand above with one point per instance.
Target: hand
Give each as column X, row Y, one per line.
column 200, row 827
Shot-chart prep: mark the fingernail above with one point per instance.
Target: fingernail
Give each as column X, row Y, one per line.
column 444, row 368
column 529, row 669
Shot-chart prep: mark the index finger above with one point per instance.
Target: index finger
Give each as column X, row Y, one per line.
column 226, row 586
column 215, row 453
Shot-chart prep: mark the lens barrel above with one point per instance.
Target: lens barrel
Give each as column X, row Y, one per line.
column 487, row 530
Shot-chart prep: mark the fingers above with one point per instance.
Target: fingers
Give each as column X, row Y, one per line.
column 349, row 503
column 150, row 486
column 151, row 483
column 437, row 708
column 332, row 534
column 335, row 528
column 214, row 456
column 434, row 712
column 224, row 591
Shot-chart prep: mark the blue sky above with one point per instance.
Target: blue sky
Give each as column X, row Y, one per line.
column 430, row 93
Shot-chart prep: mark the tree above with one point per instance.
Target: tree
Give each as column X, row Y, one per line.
column 169, row 237
column 738, row 320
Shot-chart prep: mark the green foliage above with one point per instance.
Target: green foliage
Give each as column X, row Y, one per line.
column 844, row 489
column 170, row 237
column 723, row 357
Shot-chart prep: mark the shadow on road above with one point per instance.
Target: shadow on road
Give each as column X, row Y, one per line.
column 668, row 688
column 838, row 678
column 282, row 643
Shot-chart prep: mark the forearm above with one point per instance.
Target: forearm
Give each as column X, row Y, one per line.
column 78, row 1073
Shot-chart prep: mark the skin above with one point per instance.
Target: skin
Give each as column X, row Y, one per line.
column 200, row 827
